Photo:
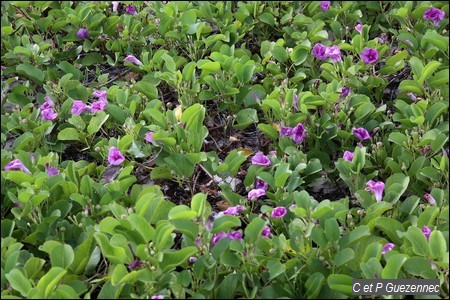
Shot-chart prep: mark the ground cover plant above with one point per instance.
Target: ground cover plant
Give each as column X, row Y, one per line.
column 222, row 149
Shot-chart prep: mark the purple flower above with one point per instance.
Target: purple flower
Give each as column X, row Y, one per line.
column 377, row 188
column 135, row 264
column 236, row 235
column 266, row 232
column 101, row 95
column 50, row 170
column 148, row 137
column 98, row 105
column 115, row 4
column 217, row 237
column 361, row 133
column 47, row 104
column 348, row 156
column 133, row 59
column 412, row 96
column 157, row 297
column 261, row 160
column 320, row 51
column 369, row 55
column 335, row 53
column 426, row 231
column 324, row 5
column 387, row 247
column 261, row 184
column 78, row 107
column 359, row 27
column 48, row 114
column 130, row 9
column 344, row 92
column 298, row 133
column 435, row 15
column 16, row 165
column 278, row 212
column 234, row 210
column 115, row 157
column 295, row 103
column 286, row 131
column 82, row 33
column 256, row 193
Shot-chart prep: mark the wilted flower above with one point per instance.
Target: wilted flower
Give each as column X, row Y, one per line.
column 412, row 96
column 335, row 53
column 377, row 188
column 361, row 133
column 115, row 157
column 115, row 5
column 266, row 232
column 387, row 247
column 135, row 264
column 261, row 184
column 324, row 5
column 133, row 59
column 278, row 212
column 430, row 199
column 359, row 27
column 50, row 170
column 320, row 51
column 426, row 231
column 101, row 95
column 344, row 92
column 286, row 131
column 130, row 9
column 78, row 107
column 48, row 114
column 16, row 165
column 98, row 105
column 298, row 133
column 236, row 235
column 295, row 103
column 148, row 137
column 256, row 193
column 157, row 297
column 217, row 237
column 260, row 159
column 82, row 33
column 369, row 55
column 234, row 210
column 348, row 156
column 435, row 15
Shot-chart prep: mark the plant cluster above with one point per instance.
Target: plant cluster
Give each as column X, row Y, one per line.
column 185, row 149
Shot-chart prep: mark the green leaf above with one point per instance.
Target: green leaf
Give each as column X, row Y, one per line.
column 227, row 287
column 69, row 134
column 182, row 212
column 173, row 259
column 396, row 185
column 332, row 231
column 31, row 72
column 147, row 88
column 438, row 245
column 116, row 255
column 254, row 230
column 358, row 233
column 435, row 39
column 19, row 177
column 344, row 256
column 418, row 241
column 118, row 273
column 389, row 227
column 50, row 280
column 271, row 132
column 225, row 223
column 428, row 70
column 82, row 254
column 245, row 117
column 428, row 216
column 393, row 266
column 91, row 59
column 18, row 282
column 200, row 205
column 96, row 122
column 70, row 69
column 275, row 269
column 170, row 63
column 341, row 283
column 210, row 66
column 314, row 285
column 282, row 174
column 419, row 266
column 62, row 256
column 411, row 86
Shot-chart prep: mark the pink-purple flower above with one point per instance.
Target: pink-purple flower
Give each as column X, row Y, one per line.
column 434, row 15
column 261, row 184
column 430, row 199
column 235, row 235
column 369, row 55
column 115, row 5
column 255, row 194
column 130, row 9
column 133, row 59
column 101, row 95
column 50, row 170
column 361, row 133
column 324, row 5
column 278, row 212
column 217, row 237
column 348, row 155
column 234, row 210
column 426, row 231
column 157, row 297
column 260, row 159
column 412, row 96
column 320, row 51
column 335, row 53
column 298, row 133
column 344, row 92
column 387, row 247
column 115, row 157
column 266, row 232
column 82, row 33
column 359, row 27
column 16, row 165
column 78, row 107
column 48, row 114
column 377, row 187
column 98, row 105
column 148, row 137
column 135, row 264
column 295, row 103
column 286, row 131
